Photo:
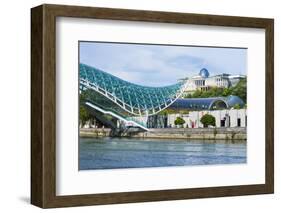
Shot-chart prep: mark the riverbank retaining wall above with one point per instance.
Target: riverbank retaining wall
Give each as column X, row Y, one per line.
column 233, row 133
column 94, row 132
column 236, row 133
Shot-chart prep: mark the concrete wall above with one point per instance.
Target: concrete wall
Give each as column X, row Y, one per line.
column 192, row 120
column 175, row 133
column 172, row 117
column 230, row 116
column 234, row 133
column 94, row 132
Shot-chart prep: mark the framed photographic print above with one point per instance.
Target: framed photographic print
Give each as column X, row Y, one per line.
column 136, row 106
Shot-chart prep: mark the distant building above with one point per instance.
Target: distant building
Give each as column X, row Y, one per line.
column 212, row 103
column 203, row 81
column 224, row 118
column 222, row 108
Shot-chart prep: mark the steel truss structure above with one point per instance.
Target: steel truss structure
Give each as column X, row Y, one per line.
column 135, row 99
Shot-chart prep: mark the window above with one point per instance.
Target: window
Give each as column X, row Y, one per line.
column 238, row 122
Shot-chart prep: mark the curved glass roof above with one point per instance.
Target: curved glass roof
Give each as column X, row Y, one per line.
column 208, row 103
column 200, row 103
column 233, row 100
column 133, row 98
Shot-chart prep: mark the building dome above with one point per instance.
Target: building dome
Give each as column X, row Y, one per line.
column 233, row 100
column 204, row 73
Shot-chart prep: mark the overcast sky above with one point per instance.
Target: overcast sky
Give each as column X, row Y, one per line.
column 160, row 65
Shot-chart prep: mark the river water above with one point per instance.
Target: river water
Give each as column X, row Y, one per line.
column 113, row 153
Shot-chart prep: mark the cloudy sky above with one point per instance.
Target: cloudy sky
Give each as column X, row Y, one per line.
column 160, row 65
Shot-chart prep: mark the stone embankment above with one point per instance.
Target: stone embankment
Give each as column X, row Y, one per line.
column 233, row 133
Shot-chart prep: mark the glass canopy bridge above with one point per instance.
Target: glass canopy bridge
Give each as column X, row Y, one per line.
column 128, row 102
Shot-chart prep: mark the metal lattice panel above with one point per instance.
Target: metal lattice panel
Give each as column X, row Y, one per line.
column 133, row 98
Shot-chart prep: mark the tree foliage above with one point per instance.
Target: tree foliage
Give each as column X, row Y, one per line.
column 83, row 115
column 208, row 120
column 237, row 106
column 168, row 111
column 240, row 90
column 179, row 121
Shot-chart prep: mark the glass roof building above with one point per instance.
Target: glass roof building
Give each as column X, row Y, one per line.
column 200, row 104
column 233, row 100
column 214, row 103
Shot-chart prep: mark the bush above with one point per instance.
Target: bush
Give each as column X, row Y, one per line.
column 240, row 90
column 237, row 106
column 179, row 121
column 207, row 120
column 83, row 115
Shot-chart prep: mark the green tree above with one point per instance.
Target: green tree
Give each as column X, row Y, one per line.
column 179, row 121
column 226, row 92
column 83, row 115
column 237, row 106
column 187, row 95
column 163, row 112
column 208, row 120
column 240, row 89
column 197, row 94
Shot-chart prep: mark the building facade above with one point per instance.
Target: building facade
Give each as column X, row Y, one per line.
column 224, row 118
column 203, row 81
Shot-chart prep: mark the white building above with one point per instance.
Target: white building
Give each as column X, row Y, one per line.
column 203, row 81
column 224, row 118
